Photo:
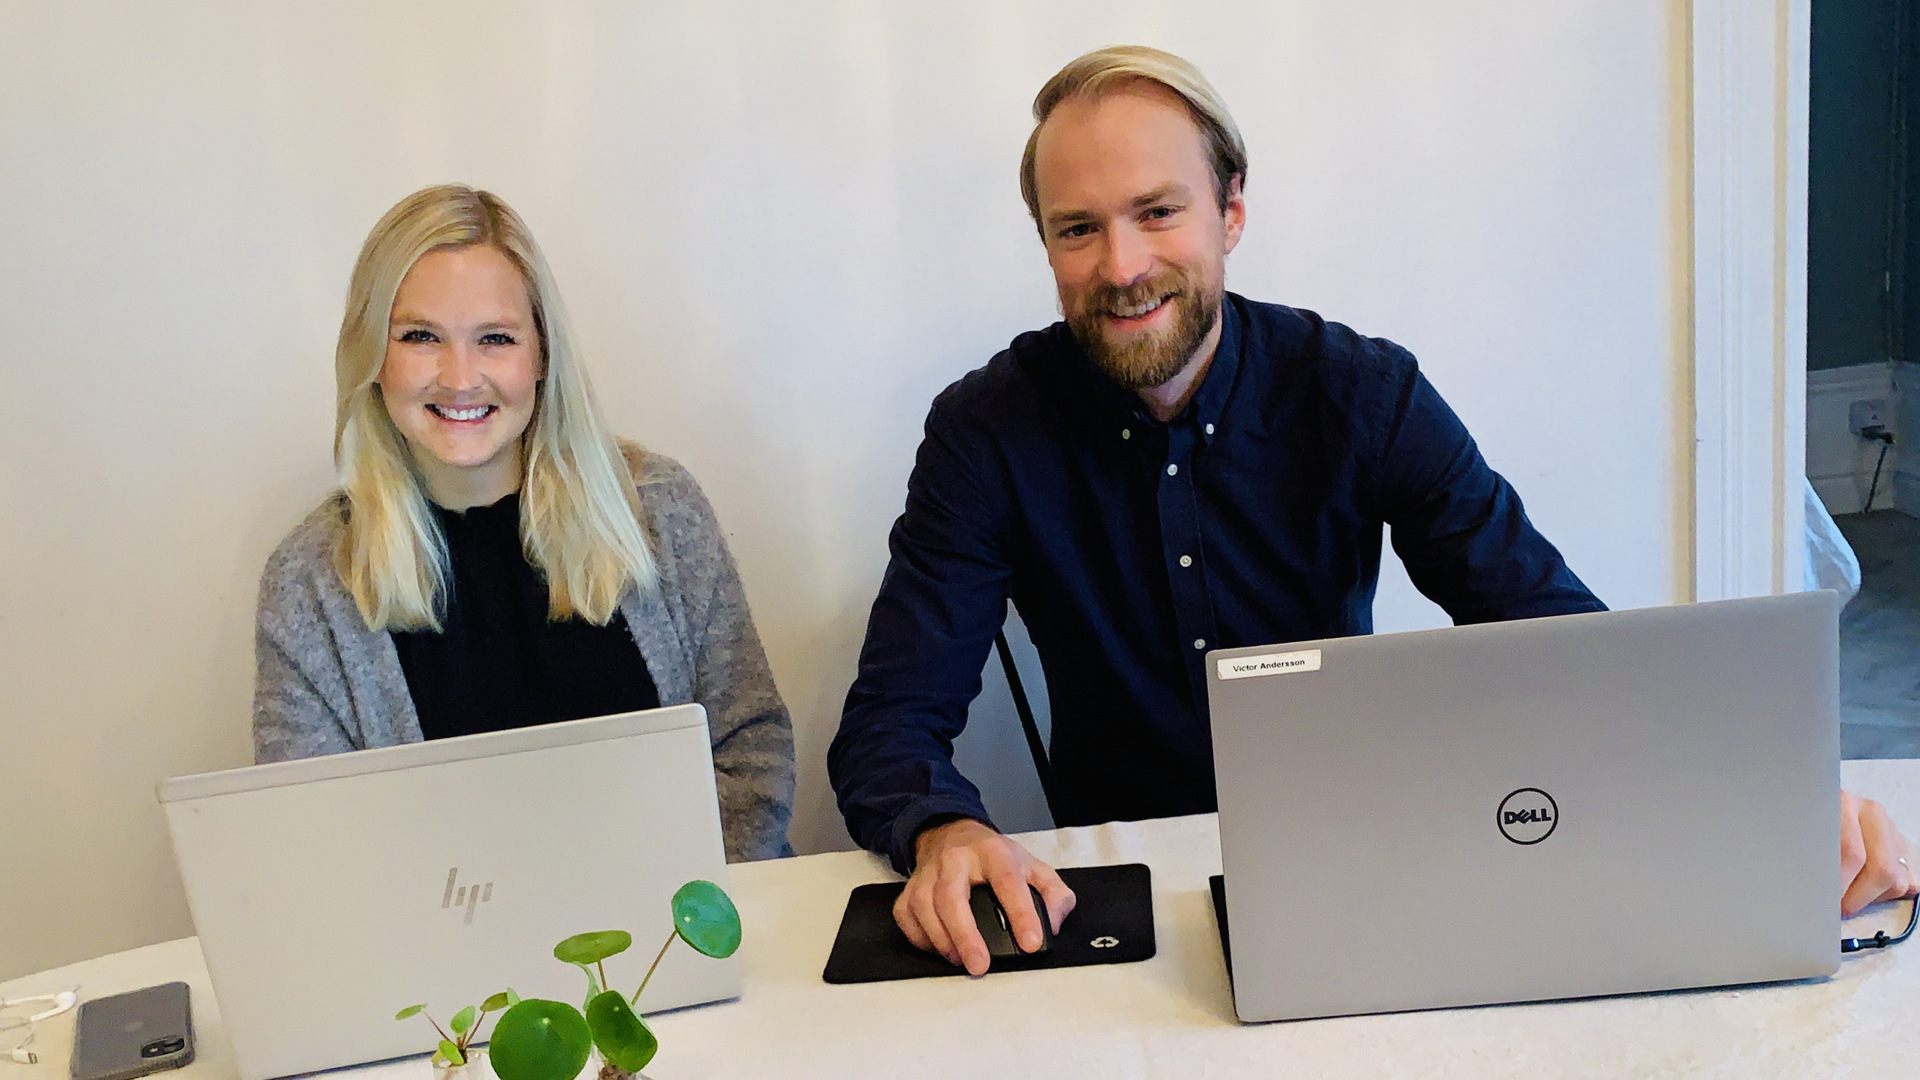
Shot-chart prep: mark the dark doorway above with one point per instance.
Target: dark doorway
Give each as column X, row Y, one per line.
column 1863, row 292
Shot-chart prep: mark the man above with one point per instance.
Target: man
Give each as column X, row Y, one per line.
column 1172, row 469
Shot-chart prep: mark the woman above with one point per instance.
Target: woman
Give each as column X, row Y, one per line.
column 494, row 558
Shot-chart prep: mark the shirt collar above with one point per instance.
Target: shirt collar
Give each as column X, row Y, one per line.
column 502, row 515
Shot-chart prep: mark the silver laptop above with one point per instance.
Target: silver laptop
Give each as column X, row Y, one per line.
column 1590, row 804
column 331, row 892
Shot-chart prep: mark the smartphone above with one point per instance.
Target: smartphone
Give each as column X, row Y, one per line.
column 133, row 1034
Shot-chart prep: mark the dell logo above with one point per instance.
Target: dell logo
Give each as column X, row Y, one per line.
column 467, row 896
column 1527, row 816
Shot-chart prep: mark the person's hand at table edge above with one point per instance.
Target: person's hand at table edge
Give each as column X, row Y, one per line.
column 949, row 860
column 1874, row 858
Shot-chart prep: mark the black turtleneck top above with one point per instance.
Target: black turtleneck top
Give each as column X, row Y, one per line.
column 501, row 662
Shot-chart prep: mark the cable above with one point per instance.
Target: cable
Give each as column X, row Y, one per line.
column 23, row 1055
column 1875, row 486
column 1881, row 939
column 61, row 1002
column 1885, row 438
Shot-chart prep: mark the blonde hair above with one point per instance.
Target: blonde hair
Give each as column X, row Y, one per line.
column 579, row 511
column 1103, row 71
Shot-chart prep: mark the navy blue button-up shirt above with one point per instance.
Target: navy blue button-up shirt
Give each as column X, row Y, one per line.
column 1131, row 547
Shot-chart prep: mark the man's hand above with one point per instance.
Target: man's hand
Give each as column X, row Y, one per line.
column 1873, row 856
column 949, row 860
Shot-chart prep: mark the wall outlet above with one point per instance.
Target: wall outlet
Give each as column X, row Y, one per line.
column 1867, row 414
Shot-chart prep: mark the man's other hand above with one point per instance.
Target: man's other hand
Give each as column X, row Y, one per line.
column 1874, row 858
column 949, row 860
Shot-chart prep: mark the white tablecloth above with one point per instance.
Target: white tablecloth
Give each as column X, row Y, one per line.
column 1171, row 1016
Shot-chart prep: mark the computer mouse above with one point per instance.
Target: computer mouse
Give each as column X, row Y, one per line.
column 997, row 931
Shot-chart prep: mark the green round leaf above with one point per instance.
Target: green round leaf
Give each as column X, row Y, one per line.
column 622, row 1036
column 452, row 1053
column 706, row 919
column 592, row 948
column 495, row 1003
column 540, row 1040
column 409, row 1011
column 462, row 1020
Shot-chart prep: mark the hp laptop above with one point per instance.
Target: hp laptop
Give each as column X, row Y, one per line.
column 1591, row 804
column 331, row 892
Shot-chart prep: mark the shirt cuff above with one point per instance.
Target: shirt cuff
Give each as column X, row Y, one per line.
column 906, row 826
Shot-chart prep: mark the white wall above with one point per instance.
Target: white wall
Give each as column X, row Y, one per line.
column 782, row 228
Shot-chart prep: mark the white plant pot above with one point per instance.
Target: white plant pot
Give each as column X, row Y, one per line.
column 476, row 1068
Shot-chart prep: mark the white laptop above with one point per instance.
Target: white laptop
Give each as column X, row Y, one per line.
column 331, row 892
column 1584, row 805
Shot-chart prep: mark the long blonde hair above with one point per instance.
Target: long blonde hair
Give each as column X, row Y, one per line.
column 579, row 510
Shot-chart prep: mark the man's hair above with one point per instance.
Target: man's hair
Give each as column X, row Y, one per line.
column 1104, row 71
column 579, row 511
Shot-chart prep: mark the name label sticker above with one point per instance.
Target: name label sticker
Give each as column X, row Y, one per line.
column 1279, row 663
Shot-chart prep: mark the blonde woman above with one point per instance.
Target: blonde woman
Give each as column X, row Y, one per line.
column 494, row 558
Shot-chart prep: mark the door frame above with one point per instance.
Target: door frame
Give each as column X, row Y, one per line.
column 1748, row 111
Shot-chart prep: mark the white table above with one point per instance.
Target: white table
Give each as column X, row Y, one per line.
column 1171, row 1016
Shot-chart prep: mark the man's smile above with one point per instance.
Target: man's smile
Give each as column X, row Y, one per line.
column 1137, row 316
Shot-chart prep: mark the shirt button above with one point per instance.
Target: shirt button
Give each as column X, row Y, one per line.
column 1186, row 560
column 1173, row 470
column 1199, row 643
column 1209, row 429
column 1126, row 433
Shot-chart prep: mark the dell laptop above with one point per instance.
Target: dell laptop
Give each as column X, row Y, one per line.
column 331, row 892
column 1566, row 807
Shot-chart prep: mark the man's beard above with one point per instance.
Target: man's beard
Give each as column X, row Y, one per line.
column 1147, row 360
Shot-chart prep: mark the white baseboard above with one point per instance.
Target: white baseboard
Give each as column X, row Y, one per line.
column 1906, row 418
column 1906, row 495
column 1839, row 463
column 1837, row 494
column 1841, row 495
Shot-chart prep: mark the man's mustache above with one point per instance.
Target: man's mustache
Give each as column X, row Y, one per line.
column 1170, row 286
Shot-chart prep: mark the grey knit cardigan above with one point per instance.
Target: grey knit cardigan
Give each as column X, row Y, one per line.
column 326, row 683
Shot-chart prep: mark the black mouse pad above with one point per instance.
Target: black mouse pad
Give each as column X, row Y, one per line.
column 1112, row 923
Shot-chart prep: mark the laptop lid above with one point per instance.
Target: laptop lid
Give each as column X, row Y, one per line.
column 1591, row 804
column 331, row 892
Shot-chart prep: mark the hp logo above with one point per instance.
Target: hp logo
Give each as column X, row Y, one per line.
column 1528, row 816
column 467, row 896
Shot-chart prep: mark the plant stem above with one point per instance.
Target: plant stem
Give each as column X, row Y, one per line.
column 437, row 1027
column 472, row 1032
column 671, row 934
column 602, row 965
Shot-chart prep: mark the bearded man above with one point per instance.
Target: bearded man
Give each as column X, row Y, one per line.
column 1172, row 469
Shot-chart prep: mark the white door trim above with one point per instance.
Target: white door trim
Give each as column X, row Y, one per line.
column 1749, row 113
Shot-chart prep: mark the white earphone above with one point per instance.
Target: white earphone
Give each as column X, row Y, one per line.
column 61, row 1002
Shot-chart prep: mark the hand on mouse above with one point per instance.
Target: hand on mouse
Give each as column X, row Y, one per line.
column 949, row 859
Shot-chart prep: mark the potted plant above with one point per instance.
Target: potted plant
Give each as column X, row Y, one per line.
column 551, row 1040
column 455, row 1052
